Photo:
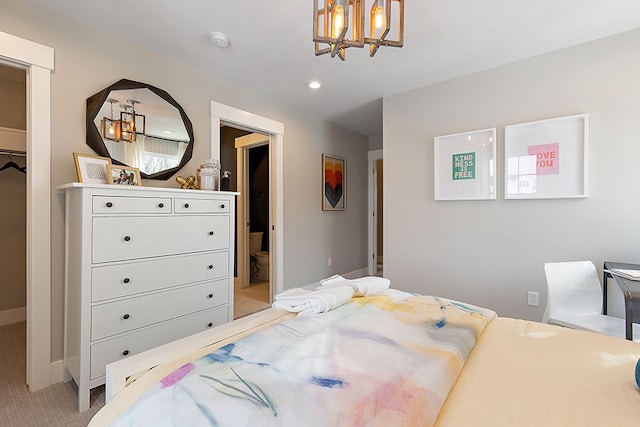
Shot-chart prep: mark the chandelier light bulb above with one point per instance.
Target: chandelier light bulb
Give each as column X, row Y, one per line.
column 338, row 20
column 378, row 17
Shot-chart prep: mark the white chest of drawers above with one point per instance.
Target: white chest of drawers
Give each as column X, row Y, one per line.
column 144, row 266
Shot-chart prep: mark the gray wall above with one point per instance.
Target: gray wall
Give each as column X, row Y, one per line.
column 375, row 142
column 84, row 66
column 13, row 100
column 491, row 252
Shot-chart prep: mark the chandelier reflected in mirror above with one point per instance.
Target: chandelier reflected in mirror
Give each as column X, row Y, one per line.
column 341, row 24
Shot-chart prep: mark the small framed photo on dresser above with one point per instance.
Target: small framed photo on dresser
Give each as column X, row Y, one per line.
column 123, row 175
column 91, row 169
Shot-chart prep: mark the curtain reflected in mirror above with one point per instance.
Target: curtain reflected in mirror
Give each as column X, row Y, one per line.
column 148, row 154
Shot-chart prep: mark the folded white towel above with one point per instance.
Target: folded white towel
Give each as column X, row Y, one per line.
column 333, row 280
column 306, row 302
column 362, row 287
column 370, row 285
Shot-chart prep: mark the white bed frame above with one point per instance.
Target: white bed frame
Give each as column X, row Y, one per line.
column 121, row 373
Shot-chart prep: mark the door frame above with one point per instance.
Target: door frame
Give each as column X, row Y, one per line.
column 373, row 156
column 38, row 61
column 242, row 145
column 222, row 114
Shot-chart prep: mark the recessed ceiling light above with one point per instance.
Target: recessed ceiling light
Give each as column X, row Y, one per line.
column 167, row 132
column 219, row 39
column 314, row 84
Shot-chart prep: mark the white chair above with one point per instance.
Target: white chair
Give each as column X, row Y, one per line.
column 574, row 300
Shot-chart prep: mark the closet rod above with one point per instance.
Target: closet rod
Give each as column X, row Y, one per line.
column 13, row 153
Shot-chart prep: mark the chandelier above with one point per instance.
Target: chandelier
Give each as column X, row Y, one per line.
column 340, row 24
column 132, row 123
column 110, row 128
column 128, row 127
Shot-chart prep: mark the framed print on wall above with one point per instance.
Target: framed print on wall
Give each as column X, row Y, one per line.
column 464, row 166
column 123, row 175
column 547, row 159
column 334, row 189
column 91, row 169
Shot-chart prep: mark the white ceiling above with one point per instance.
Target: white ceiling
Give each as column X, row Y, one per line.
column 271, row 50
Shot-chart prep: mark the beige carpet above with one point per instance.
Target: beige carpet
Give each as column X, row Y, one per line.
column 57, row 406
column 54, row 406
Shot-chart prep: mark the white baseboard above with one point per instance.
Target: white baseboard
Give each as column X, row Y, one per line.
column 57, row 373
column 355, row 274
column 14, row 315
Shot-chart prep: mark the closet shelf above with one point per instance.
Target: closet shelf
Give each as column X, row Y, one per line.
column 14, row 140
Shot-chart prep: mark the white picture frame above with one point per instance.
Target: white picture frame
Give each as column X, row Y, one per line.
column 547, row 159
column 464, row 165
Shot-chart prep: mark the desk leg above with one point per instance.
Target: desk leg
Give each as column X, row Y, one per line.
column 628, row 315
column 605, row 276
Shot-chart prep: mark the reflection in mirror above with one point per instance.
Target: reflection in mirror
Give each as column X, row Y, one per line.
column 140, row 126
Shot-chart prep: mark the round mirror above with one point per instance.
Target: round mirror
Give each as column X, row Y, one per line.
column 141, row 126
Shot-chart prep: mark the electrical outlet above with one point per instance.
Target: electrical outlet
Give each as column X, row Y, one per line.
column 532, row 298
column 329, row 262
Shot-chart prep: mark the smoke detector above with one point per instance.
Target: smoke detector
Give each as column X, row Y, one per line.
column 219, row 39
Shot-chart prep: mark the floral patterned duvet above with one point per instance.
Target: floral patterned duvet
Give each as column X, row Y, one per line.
column 372, row 362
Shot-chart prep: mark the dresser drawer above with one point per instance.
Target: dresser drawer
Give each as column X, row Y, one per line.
column 186, row 206
column 131, row 278
column 139, row 341
column 119, row 238
column 131, row 205
column 133, row 313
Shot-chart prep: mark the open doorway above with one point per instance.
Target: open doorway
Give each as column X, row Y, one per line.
column 245, row 158
column 37, row 60
column 13, row 215
column 376, row 216
column 225, row 115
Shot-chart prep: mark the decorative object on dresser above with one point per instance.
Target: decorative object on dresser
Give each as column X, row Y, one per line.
column 153, row 133
column 209, row 175
column 188, row 183
column 123, row 175
column 144, row 266
column 91, row 169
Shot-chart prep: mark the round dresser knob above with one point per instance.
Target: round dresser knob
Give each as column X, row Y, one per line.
column 211, row 233
column 222, row 206
column 210, row 324
column 161, row 205
column 109, row 204
column 210, row 296
column 126, row 280
column 186, row 205
column 127, row 238
column 210, row 266
column 125, row 317
column 125, row 353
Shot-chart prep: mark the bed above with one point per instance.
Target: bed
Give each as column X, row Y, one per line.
column 400, row 359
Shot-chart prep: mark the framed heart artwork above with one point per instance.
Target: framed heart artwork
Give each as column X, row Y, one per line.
column 334, row 179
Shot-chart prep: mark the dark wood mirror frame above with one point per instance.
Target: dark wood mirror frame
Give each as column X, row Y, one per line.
column 94, row 140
